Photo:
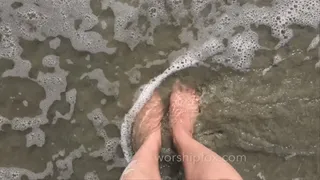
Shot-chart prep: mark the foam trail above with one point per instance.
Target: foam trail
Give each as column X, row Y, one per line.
column 191, row 58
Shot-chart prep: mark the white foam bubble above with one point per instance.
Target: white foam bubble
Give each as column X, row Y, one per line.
column 65, row 166
column 109, row 150
column 155, row 11
column 54, row 83
column 71, row 98
column 106, row 3
column 23, row 123
column 283, row 14
column 178, row 9
column 25, row 103
column 3, row 121
column 317, row 66
column 197, row 6
column 134, row 75
column 35, row 137
column 240, row 51
column 50, row 61
column 91, row 176
column 21, row 69
column 15, row 173
column 88, row 57
column 127, row 27
column 314, row 43
column 69, row 61
column 54, row 43
column 103, row 24
column 117, row 163
column 103, row 101
column 61, row 153
column 277, row 59
column 49, row 19
column 98, row 119
column 90, row 41
column 125, row 14
column 104, row 85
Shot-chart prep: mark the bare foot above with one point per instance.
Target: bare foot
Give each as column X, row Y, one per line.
column 147, row 123
column 184, row 108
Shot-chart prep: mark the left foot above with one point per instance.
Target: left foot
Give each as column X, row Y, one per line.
column 147, row 123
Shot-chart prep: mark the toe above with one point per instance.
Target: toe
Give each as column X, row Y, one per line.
column 190, row 90
column 184, row 88
column 156, row 96
column 177, row 86
column 155, row 100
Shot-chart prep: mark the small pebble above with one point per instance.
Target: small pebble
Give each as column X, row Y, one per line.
column 69, row 61
column 25, row 103
column 88, row 57
column 103, row 101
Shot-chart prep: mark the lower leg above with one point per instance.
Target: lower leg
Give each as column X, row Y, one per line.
column 146, row 142
column 144, row 165
column 199, row 162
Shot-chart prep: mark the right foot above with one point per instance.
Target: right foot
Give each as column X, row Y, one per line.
column 147, row 123
column 184, row 108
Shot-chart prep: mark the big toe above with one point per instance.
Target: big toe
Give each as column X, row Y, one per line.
column 156, row 97
column 180, row 90
column 154, row 102
column 177, row 86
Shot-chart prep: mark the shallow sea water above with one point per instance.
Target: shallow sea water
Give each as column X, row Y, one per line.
column 267, row 125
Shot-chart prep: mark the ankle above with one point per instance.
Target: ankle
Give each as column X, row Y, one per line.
column 153, row 141
column 179, row 130
column 179, row 134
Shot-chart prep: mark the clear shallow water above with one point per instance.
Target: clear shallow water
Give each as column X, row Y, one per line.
column 271, row 120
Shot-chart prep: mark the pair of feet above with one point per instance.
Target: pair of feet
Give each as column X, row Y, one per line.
column 184, row 109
